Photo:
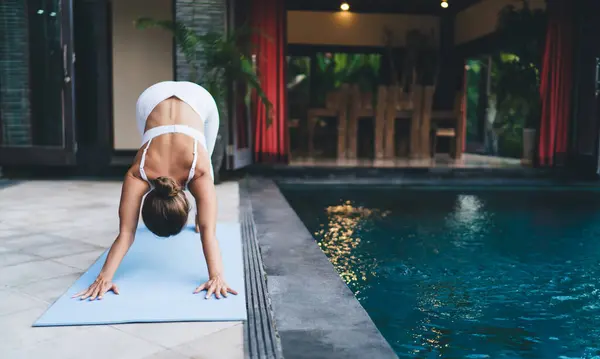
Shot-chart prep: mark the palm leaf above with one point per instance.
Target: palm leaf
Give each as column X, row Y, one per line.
column 249, row 75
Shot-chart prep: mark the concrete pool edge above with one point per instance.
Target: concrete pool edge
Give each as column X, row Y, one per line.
column 316, row 314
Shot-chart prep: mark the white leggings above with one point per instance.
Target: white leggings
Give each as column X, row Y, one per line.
column 196, row 96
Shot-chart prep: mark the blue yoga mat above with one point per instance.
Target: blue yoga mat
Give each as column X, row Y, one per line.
column 156, row 281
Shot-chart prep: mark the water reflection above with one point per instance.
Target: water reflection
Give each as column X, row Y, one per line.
column 339, row 237
column 467, row 210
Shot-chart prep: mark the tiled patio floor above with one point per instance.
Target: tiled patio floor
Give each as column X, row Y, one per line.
column 50, row 233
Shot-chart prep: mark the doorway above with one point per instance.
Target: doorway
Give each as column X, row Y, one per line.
column 495, row 108
column 36, row 83
column 93, row 90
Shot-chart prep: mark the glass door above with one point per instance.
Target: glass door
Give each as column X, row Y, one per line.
column 36, row 83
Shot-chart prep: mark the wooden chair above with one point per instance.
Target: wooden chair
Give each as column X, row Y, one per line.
column 454, row 133
column 336, row 104
column 443, row 133
column 401, row 105
column 361, row 106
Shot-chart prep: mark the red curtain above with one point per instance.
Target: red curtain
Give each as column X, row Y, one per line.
column 556, row 82
column 271, row 141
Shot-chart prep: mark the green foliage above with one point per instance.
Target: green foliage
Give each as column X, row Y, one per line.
column 298, row 74
column 510, row 143
column 357, row 69
column 473, row 75
column 215, row 59
column 333, row 70
column 522, row 32
column 516, row 86
column 298, row 66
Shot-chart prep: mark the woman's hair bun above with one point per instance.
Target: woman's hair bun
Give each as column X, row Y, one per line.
column 166, row 187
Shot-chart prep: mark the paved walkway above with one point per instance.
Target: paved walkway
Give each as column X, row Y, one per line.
column 50, row 233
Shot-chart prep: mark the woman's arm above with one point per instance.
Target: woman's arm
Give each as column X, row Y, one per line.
column 203, row 190
column 205, row 195
column 132, row 192
column 129, row 213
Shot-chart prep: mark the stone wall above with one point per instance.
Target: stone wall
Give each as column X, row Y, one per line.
column 15, row 107
column 204, row 16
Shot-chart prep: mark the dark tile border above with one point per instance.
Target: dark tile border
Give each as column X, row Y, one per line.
column 260, row 335
column 424, row 176
column 400, row 182
column 316, row 314
column 286, row 171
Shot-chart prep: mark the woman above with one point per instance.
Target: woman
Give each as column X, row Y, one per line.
column 179, row 122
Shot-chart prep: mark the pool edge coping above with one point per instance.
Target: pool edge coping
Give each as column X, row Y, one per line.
column 373, row 343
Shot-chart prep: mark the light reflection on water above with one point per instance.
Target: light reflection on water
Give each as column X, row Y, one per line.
column 468, row 275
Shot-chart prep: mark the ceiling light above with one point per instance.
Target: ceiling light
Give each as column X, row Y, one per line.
column 444, row 4
column 345, row 6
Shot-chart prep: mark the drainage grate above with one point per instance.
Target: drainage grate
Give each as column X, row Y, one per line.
column 260, row 335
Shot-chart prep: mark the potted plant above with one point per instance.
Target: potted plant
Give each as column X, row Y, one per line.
column 522, row 32
column 216, row 60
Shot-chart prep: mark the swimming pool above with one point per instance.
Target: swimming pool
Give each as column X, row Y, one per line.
column 466, row 273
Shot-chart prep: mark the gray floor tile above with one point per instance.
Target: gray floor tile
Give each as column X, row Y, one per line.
column 92, row 343
column 12, row 301
column 227, row 343
column 169, row 354
column 102, row 240
column 60, row 248
column 81, row 261
column 28, row 241
column 16, row 332
column 48, row 290
column 173, row 334
column 84, row 234
column 9, row 232
column 21, row 274
column 9, row 258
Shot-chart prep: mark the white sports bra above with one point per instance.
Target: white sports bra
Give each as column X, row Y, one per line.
column 162, row 130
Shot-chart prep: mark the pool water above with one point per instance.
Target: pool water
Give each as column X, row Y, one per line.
column 488, row 273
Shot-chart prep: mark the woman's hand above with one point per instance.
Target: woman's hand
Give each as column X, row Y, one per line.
column 217, row 286
column 97, row 289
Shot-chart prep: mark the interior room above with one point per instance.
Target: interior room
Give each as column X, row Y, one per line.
column 407, row 84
